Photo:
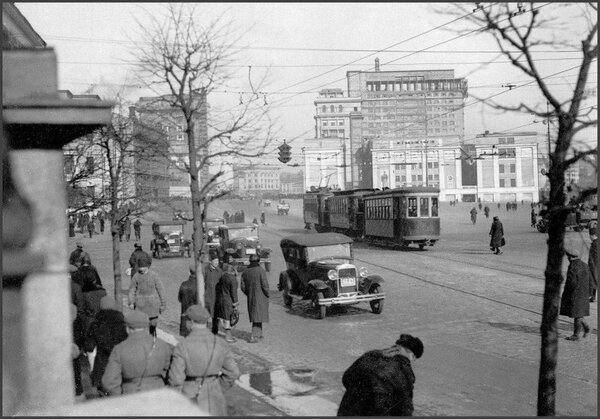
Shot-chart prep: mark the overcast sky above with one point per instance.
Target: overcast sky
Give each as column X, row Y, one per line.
column 93, row 40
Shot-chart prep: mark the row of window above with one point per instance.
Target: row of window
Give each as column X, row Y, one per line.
column 415, row 207
column 333, row 123
column 412, row 85
column 332, row 133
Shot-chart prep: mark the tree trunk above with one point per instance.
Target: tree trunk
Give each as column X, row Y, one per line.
column 114, row 230
column 553, row 276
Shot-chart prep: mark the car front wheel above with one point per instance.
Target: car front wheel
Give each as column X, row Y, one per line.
column 321, row 310
column 376, row 305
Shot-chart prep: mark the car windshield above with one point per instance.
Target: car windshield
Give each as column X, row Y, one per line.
column 245, row 232
column 329, row 251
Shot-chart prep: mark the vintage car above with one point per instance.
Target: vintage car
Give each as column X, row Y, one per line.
column 239, row 241
column 169, row 239
column 320, row 268
column 212, row 239
column 267, row 203
column 283, row 208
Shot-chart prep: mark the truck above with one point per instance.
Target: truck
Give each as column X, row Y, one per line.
column 283, row 208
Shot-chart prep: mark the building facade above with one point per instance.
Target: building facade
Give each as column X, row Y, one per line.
column 256, row 179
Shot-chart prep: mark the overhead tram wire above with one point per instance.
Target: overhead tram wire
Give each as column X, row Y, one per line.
column 421, row 50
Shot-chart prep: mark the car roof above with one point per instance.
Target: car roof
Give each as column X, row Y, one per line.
column 214, row 219
column 318, row 239
column 173, row 222
column 238, row 225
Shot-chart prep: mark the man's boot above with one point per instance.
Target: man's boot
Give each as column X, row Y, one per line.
column 228, row 336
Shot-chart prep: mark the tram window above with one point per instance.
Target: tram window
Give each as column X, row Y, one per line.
column 424, row 207
column 434, row 207
column 412, row 207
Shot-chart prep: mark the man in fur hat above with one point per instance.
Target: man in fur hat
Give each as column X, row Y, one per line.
column 381, row 382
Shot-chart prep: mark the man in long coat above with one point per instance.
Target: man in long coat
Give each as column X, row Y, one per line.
column 137, row 256
column 575, row 300
column 256, row 287
column 226, row 299
column 203, row 367
column 593, row 264
column 212, row 275
column 188, row 297
column 147, row 294
column 497, row 236
column 138, row 363
column 381, row 382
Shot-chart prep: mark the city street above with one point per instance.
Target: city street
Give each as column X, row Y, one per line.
column 478, row 315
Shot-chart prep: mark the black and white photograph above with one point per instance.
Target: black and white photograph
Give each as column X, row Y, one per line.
column 299, row 209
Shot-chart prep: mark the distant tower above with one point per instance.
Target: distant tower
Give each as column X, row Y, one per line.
column 376, row 64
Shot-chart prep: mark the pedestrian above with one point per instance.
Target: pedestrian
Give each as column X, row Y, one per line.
column 79, row 303
column 381, row 381
column 480, row 206
column 242, row 216
column 498, row 205
column 121, row 224
column 507, row 206
column 90, row 228
column 255, row 286
column 138, row 363
column 71, row 226
column 105, row 332
column 102, row 224
column 263, row 218
column 127, row 228
column 226, row 299
column 473, row 213
column 137, row 256
column 212, row 275
column 147, row 293
column 203, row 366
column 92, row 291
column 255, row 221
column 533, row 218
column 575, row 300
column 137, row 229
column 187, row 297
column 76, row 358
column 593, row 264
column 76, row 254
column 486, row 211
column 497, row 236
column 86, row 274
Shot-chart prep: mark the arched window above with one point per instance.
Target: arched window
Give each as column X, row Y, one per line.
column 324, row 109
column 340, row 108
column 332, row 108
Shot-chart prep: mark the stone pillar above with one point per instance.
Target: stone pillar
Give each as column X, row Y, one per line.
column 45, row 295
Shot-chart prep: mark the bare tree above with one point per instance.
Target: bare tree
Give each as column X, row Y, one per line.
column 186, row 62
column 519, row 31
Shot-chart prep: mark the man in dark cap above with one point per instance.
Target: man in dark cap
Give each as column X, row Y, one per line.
column 593, row 264
column 147, row 293
column 76, row 254
column 187, row 296
column 575, row 300
column 256, row 287
column 137, row 256
column 203, row 367
column 381, row 382
column 212, row 275
column 497, row 236
column 138, row 363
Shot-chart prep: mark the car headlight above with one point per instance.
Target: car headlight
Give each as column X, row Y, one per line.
column 239, row 246
column 258, row 246
column 363, row 272
column 332, row 275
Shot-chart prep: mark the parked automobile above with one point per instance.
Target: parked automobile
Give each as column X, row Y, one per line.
column 320, row 268
column 169, row 239
column 283, row 208
column 212, row 238
column 239, row 241
column 267, row 203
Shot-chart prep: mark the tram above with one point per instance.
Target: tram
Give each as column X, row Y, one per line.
column 391, row 217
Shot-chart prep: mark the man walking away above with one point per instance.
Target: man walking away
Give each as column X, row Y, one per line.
column 497, row 236
column 137, row 226
column 256, row 287
column 381, row 382
column 74, row 258
column 473, row 215
column 263, row 218
column 575, row 300
column 212, row 275
column 138, row 363
column 147, row 294
column 593, row 264
column 226, row 300
column 203, row 367
column 486, row 211
column 127, row 228
column 187, row 296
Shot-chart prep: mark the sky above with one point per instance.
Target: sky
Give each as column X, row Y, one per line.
column 301, row 48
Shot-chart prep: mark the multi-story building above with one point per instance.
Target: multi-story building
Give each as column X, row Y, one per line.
column 168, row 176
column 292, row 182
column 384, row 109
column 256, row 178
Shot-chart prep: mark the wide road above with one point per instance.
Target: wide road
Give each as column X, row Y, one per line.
column 478, row 315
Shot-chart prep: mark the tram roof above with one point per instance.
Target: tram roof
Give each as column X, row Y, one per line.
column 411, row 190
column 319, row 239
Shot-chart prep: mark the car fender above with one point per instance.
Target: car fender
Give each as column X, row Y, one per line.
column 283, row 278
column 318, row 284
column 367, row 282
